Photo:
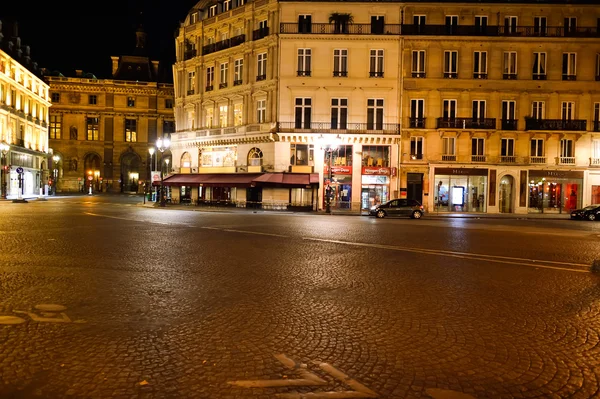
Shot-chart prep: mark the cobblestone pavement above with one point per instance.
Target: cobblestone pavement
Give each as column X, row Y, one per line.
column 103, row 299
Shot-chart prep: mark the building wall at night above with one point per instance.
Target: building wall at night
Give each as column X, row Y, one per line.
column 103, row 128
column 24, row 105
column 406, row 92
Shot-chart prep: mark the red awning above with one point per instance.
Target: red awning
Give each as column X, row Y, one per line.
column 287, row 179
column 242, row 179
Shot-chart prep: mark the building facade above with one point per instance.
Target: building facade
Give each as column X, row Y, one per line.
column 100, row 130
column 481, row 108
column 24, row 105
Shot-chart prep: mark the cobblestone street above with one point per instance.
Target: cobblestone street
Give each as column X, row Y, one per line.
column 102, row 298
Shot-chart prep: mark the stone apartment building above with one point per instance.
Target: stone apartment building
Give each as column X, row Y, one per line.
column 100, row 130
column 467, row 107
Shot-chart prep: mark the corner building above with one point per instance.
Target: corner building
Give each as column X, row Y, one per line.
column 466, row 107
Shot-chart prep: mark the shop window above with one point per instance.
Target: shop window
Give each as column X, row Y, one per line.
column 302, row 154
column 376, row 155
column 255, row 157
column 461, row 193
column 342, row 156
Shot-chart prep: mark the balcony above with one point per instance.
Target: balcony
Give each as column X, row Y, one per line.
column 509, row 124
column 450, row 75
column 223, row 44
column 223, row 85
column 508, row 159
column 190, row 92
column 449, row 158
column 376, row 74
column 478, row 158
column 347, row 29
column 566, row 160
column 419, row 75
column 337, row 74
column 417, row 123
column 188, row 54
column 260, row 33
column 478, row 75
column 261, row 77
column 537, row 160
column 303, row 73
column 237, row 82
column 509, row 76
column 569, row 77
column 595, row 162
column 539, row 76
column 596, row 126
column 326, row 127
column 209, row 88
column 466, row 123
column 555, row 124
column 515, row 31
column 416, row 157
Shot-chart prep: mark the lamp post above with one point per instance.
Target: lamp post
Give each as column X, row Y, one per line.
column 90, row 178
column 56, row 159
column 162, row 145
column 328, row 190
column 151, row 150
column 4, row 148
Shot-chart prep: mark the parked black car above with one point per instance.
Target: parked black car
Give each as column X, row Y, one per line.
column 590, row 212
column 398, row 207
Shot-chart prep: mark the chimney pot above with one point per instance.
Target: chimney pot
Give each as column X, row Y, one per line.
column 115, row 64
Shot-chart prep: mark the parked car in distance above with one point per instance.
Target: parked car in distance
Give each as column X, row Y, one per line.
column 398, row 207
column 590, row 212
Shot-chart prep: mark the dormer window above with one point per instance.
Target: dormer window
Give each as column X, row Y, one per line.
column 193, row 18
column 212, row 11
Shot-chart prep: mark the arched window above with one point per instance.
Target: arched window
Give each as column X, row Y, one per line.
column 255, row 157
column 186, row 160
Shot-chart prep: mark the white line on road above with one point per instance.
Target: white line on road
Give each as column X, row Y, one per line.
column 122, row 218
column 536, row 263
column 246, row 232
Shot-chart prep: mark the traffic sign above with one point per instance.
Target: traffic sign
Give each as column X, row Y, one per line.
column 90, row 178
column 19, row 170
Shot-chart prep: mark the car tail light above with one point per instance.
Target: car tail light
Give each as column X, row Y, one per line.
column 421, row 207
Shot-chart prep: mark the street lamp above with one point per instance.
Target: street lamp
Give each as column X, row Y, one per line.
column 162, row 145
column 151, row 150
column 4, row 148
column 56, row 159
column 328, row 190
column 90, row 178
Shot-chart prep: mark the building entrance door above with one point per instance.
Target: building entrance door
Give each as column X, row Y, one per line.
column 254, row 197
column 414, row 183
column 506, row 201
column 596, row 192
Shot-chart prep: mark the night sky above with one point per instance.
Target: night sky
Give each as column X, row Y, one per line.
column 66, row 36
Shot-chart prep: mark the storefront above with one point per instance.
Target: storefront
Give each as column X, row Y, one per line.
column 555, row 191
column 375, row 185
column 341, row 186
column 460, row 189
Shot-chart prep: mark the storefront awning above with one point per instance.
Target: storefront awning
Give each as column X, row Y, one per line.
column 242, row 179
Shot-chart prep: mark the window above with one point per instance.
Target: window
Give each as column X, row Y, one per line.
column 210, row 78
column 477, row 148
column 304, row 58
column 263, row 26
column 509, row 117
column 596, row 117
column 507, row 147
column 570, row 26
column 342, row 156
column 93, row 99
column 223, row 75
column 510, row 65
column 131, row 101
column 212, row 11
column 538, row 109
column 261, row 69
column 540, row 26
column 450, row 64
column 255, row 157
column 238, row 114
column 568, row 66
column 566, row 148
column 451, row 24
column 417, row 113
column 261, row 111
column 376, row 155
column 193, row 18
column 449, row 110
column 419, row 23
column 478, row 110
column 377, row 24
column 481, row 23
column 168, row 103
column 339, row 113
column 568, row 111
column 448, row 146
column 510, row 25
column 131, row 130
column 302, row 154
column 238, row 71
column 55, row 97
column 539, row 66
column 537, row 148
column 418, row 63
column 340, row 62
column 92, row 129
column 55, row 126
column 375, row 114
column 209, row 117
column 598, row 66
column 376, row 64
column 304, row 24
column 596, row 149
column 226, row 5
column 223, row 115
column 168, row 127
column 416, row 147
column 303, row 113
column 190, row 82
column 480, row 65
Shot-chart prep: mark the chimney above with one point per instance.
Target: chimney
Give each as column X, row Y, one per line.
column 155, row 68
column 78, row 73
column 115, row 64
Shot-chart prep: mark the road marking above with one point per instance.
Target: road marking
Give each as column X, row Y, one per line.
column 51, row 313
column 536, row 263
column 122, row 218
column 437, row 393
column 246, row 232
column 310, row 379
column 10, row 320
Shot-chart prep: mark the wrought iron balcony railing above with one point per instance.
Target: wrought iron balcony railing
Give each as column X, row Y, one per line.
column 222, row 85
column 327, row 127
column 508, row 159
column 190, row 92
column 419, row 75
column 478, row 158
column 340, row 74
column 223, row 44
column 303, row 73
column 376, row 74
column 189, row 54
column 555, row 124
column 260, row 33
column 417, row 123
column 537, row 160
column 509, row 76
column 566, row 160
column 209, row 88
column 348, row 29
column 261, row 77
column 596, row 126
column 509, row 124
column 539, row 76
column 466, row 123
column 518, row 31
column 449, row 158
column 479, row 75
column 569, row 77
column 237, row 82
